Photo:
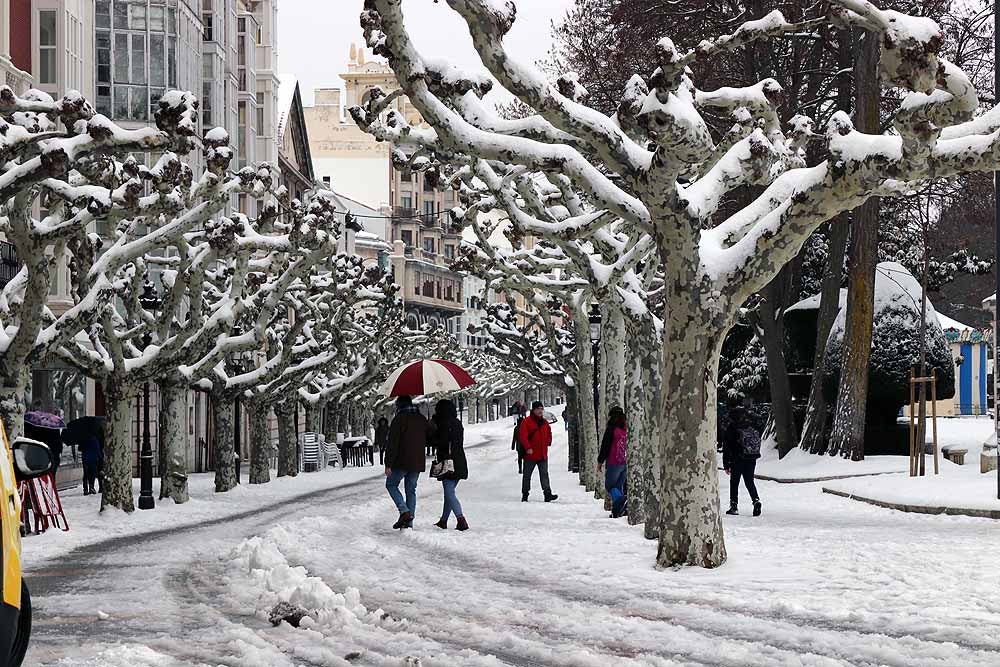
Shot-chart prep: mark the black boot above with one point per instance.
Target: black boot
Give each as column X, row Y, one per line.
column 756, row 507
column 549, row 496
column 405, row 521
column 524, row 497
column 732, row 509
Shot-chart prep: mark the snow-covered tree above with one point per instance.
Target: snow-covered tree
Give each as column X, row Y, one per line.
column 656, row 166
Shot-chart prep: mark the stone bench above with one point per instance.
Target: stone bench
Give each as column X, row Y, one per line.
column 955, row 454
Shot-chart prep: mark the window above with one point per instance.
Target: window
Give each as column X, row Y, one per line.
column 241, row 51
column 102, row 13
column 429, row 245
column 138, row 58
column 326, row 180
column 137, row 16
column 47, row 46
column 260, row 114
column 427, row 185
column 241, row 25
column 449, row 250
column 406, row 236
column 206, row 20
column 103, row 42
column 121, row 57
column 120, row 15
column 406, row 201
column 139, row 109
column 429, row 211
column 156, row 18
column 157, row 72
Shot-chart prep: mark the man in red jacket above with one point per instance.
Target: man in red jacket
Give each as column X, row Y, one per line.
column 536, row 436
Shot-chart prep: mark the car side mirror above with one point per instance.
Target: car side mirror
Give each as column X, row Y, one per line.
column 31, row 458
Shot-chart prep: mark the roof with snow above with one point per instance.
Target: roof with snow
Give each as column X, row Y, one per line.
column 287, row 85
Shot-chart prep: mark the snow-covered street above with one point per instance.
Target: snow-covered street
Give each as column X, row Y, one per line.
column 817, row 580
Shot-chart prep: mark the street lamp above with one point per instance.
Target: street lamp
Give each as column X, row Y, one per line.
column 595, row 341
column 150, row 301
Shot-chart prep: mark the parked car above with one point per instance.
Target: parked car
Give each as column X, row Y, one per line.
column 23, row 460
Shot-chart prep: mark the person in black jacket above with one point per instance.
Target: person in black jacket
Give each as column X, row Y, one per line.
column 382, row 438
column 448, row 438
column 740, row 451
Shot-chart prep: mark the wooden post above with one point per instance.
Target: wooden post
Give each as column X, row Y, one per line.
column 934, row 416
column 913, row 457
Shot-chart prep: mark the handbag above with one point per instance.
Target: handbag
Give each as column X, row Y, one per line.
column 444, row 467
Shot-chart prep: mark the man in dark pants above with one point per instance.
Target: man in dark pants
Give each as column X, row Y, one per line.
column 536, row 437
column 740, row 451
column 405, row 458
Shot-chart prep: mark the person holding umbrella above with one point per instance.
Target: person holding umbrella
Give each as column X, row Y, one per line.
column 405, row 458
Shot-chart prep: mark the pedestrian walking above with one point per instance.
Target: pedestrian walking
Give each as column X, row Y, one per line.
column 535, row 436
column 448, row 437
column 91, row 454
column 613, row 458
column 740, row 451
column 519, row 410
column 382, row 438
column 405, row 458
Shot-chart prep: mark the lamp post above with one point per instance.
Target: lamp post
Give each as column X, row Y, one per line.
column 595, row 342
column 150, row 301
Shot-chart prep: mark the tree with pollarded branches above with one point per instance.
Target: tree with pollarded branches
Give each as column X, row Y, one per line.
column 64, row 155
column 656, row 166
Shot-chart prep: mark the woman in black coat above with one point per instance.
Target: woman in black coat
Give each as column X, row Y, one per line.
column 447, row 435
column 382, row 439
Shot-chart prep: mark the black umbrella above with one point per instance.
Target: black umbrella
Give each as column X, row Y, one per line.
column 82, row 429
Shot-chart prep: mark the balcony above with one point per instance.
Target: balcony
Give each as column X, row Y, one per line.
column 404, row 213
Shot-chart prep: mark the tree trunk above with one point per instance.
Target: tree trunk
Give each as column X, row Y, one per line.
column 12, row 402
column 173, row 441
column 613, row 381
column 814, row 428
column 585, row 397
column 287, row 444
column 848, row 434
column 260, row 443
column 225, row 452
column 118, row 450
column 638, row 438
column 690, row 529
column 771, row 320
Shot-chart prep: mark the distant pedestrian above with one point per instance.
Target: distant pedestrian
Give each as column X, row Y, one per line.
column 448, row 437
column 91, row 454
column 740, row 451
column 535, row 436
column 405, row 458
column 382, row 438
column 613, row 457
column 519, row 410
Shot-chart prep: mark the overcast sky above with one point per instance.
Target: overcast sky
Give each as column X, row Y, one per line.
column 314, row 36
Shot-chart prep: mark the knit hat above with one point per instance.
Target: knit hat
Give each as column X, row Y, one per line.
column 537, row 404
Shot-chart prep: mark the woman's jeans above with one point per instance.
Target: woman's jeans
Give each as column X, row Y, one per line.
column 614, row 478
column 451, row 503
column 410, row 484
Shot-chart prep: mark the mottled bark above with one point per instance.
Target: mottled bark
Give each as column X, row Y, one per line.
column 847, row 438
column 589, row 441
column 690, row 529
column 814, row 429
column 225, row 453
column 314, row 417
column 287, row 444
column 118, row 448
column 173, row 441
column 12, row 401
column 260, row 442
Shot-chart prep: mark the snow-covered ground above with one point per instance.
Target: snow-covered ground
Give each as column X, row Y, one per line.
column 817, row 580
column 797, row 465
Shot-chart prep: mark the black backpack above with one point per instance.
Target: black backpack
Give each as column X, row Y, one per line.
column 749, row 442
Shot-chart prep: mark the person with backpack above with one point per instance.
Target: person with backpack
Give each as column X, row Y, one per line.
column 535, row 435
column 447, row 436
column 612, row 456
column 740, row 451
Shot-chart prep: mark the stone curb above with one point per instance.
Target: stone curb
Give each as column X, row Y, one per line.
column 831, row 478
column 918, row 509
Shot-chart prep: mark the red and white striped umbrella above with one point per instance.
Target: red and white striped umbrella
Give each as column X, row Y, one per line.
column 427, row 376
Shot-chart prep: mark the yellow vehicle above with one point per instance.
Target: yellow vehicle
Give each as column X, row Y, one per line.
column 22, row 460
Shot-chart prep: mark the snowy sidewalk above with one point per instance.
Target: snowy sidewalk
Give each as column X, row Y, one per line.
column 88, row 525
